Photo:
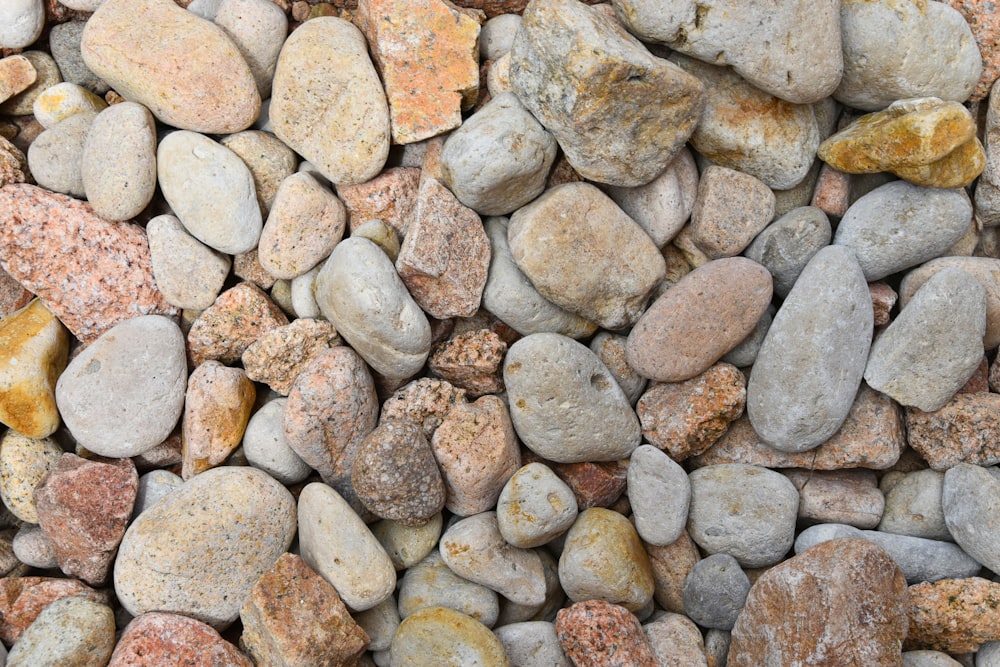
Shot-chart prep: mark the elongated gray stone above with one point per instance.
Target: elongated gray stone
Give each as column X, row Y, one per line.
column 969, row 499
column 119, row 161
column 810, row 365
column 660, row 493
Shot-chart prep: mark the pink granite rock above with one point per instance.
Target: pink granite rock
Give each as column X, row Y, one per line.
column 883, row 299
column 389, row 197
column 229, row 326
column 471, row 360
column 155, row 639
column 965, row 430
column 22, row 599
column 279, row 355
column 596, row 633
column 984, row 20
column 425, row 401
column 91, row 273
column 832, row 193
column 13, row 296
column 217, row 407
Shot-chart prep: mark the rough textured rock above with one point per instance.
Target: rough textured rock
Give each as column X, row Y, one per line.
column 22, row 599
column 72, row 631
column 158, row 638
column 471, row 360
column 280, row 354
column 730, row 210
column 426, row 401
column 953, row 615
column 269, row 160
column 13, row 164
column 389, row 197
column 597, row 632
column 24, row 463
column 217, row 407
column 986, row 30
column 225, row 330
column 962, row 431
column 16, row 74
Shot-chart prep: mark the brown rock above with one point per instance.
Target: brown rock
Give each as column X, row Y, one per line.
column 982, row 17
column 594, row 483
column 471, row 361
column 23, row 598
column 83, row 509
column 953, row 615
column 477, row 450
column 965, row 430
column 279, row 355
column 671, row 564
column 957, row 169
column 91, row 273
column 269, row 160
column 596, row 633
column 217, row 407
column 155, row 639
column 16, row 74
column 389, row 197
column 842, row 602
column 13, row 297
column 686, row 418
column 730, row 210
column 839, row 496
column 832, row 193
column 424, row 401
column 247, row 266
column 427, row 52
column 979, row 382
column 224, row 330
column 445, row 256
column 883, row 299
column 294, row 618
column 872, row 436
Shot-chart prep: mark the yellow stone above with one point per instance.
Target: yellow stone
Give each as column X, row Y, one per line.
column 218, row 404
column 909, row 133
column 34, row 347
column 955, row 170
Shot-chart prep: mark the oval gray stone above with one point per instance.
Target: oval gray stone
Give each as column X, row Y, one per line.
column 210, row 190
column 535, row 507
column 70, row 631
column 787, row 244
column 187, row 272
column 359, row 291
column 431, row 583
column 715, row 591
column 969, row 499
column 899, row 225
column 55, row 157
column 119, row 161
column 810, row 365
column 532, row 643
column 123, row 394
column 934, row 345
column 913, row 507
column 565, row 404
column 660, row 493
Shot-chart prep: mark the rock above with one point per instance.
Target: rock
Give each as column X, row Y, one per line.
column 258, row 29
column 745, row 511
column 153, row 486
column 619, row 114
column 786, row 245
column 31, row 547
column 237, row 318
column 425, row 401
column 705, row 315
column 497, row 36
column 24, row 598
column 71, row 631
column 953, row 615
column 269, row 160
column 595, row 261
column 445, row 255
column 83, row 508
column 842, row 496
column 594, row 484
column 746, row 129
column 534, row 507
column 182, row 68
column 659, row 493
column 811, row 363
column 56, row 155
column 380, row 624
column 671, row 564
column 472, row 361
column 265, row 446
column 603, row 558
column 745, row 353
column 383, row 323
column 928, row 659
column 63, row 100
column 24, row 463
column 715, row 591
column 189, row 273
column 123, row 394
column 314, row 629
column 532, row 642
column 118, row 167
column 210, row 190
column 934, row 345
column 22, row 21
column 167, row 558
column 280, row 354
column 962, row 431
column 427, row 635
column 345, row 135
column 305, row 223
column 46, row 75
column 335, row 543
column 862, row 593
column 967, row 494
column 407, row 545
column 217, row 407
column 389, row 197
column 64, row 43
column 913, row 506
column 730, row 210
column 876, row 40
column 431, row 583
column 549, row 378
column 16, row 75
column 13, row 164
column 157, row 638
column 832, row 191
column 677, row 641
column 610, row 349
column 987, row 34
column 597, row 632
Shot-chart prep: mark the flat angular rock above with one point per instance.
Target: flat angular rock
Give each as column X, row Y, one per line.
column 389, row 197
column 237, row 318
column 181, row 67
column 118, row 166
column 425, row 401
column 13, row 164
column 787, row 244
column 619, row 114
column 158, row 638
column 280, row 354
column 953, row 615
column 188, row 272
column 472, row 361
column 217, row 407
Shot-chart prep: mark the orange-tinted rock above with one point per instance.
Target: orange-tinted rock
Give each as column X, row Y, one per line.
column 842, row 603
column 217, row 408
column 279, row 355
column 23, row 598
column 596, row 633
column 594, row 483
column 246, row 265
column 224, row 330
column 953, row 615
column 155, row 639
column 832, row 193
column 982, row 17
column 965, row 430
column 294, row 618
column 16, row 74
column 91, row 273
column 13, row 296
column 83, row 508
column 471, row 361
column 955, row 170
column 427, row 52
column 883, row 299
column 686, row 418
column 670, row 565
column 389, row 197
column 425, row 401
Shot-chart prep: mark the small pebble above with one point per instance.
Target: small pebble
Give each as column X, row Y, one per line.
column 46, row 75
column 265, row 446
column 730, row 210
column 659, row 493
column 16, row 75
column 497, row 35
column 598, row 633
column 32, row 548
column 427, row 635
column 63, row 100
column 532, row 643
column 913, row 507
column 217, row 407
column 534, row 507
column 55, row 157
column 676, row 641
column 715, row 591
column 153, row 486
column 71, row 631
column 408, row 545
column 269, row 160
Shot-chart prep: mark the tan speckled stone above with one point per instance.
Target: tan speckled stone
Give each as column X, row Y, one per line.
column 224, row 330
column 217, row 408
column 953, row 615
column 158, row 638
column 13, row 164
column 16, row 74
column 426, row 401
column 269, row 160
column 23, row 598
column 442, row 637
column 24, row 463
column 71, row 631
column 280, row 354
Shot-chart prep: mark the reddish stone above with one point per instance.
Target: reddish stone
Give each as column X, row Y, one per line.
column 91, row 273
column 883, row 299
column 597, row 633
column 389, row 197
column 595, row 484
column 472, row 361
column 22, row 599
column 965, row 430
column 294, row 618
column 83, row 508
column 671, row 565
column 247, row 266
column 984, row 20
column 229, row 326
column 217, row 407
column 979, row 380
column 13, row 297
column 156, row 639
column 953, row 615
column 832, row 193
column 279, row 355
column 425, row 401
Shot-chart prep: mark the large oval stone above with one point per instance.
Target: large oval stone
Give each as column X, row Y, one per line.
column 984, row 269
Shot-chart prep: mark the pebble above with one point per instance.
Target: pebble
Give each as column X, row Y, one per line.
column 302, row 295
column 887, row 53
column 934, row 345
column 445, row 255
column 431, row 583
column 928, row 659
column 317, row 629
column 474, row 549
column 217, row 407
column 746, row 129
column 953, row 615
column 124, row 393
column 22, row 21
column 786, row 245
column 594, row 484
column 305, row 223
column 745, row 511
column 153, row 486
column 184, row 69
column 532, row 643
column 598, row 633
column 55, row 157
column 46, row 75
column 684, row 332
column 988, row 654
column 408, row 545
column 16, row 75
column 988, row 189
column 24, row 463
column 498, row 160
column 210, row 190
column 13, row 169
column 337, row 544
column 659, row 493
column 549, row 378
column 157, row 638
column 246, row 266
column 963, row 431
column 603, row 558
column 269, row 160
column 497, row 36
column 472, row 361
column 118, row 167
column 745, row 353
column 863, row 595
column 382, row 322
column 715, row 591
column 168, row 558
column 967, row 495
column 24, row 598
column 986, row 270
column 511, row 612
column 534, row 507
column 389, row 197
column 237, row 318
column 811, row 363
column 730, row 210
column 839, row 496
column 187, row 272
column 71, row 631
column 572, row 67
column 671, row 564
column 280, row 354
column 83, row 508
column 31, row 547
column 345, row 136
column 380, row 624
column 62, row 100
column 258, row 29
column 435, row 632
column 913, row 507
